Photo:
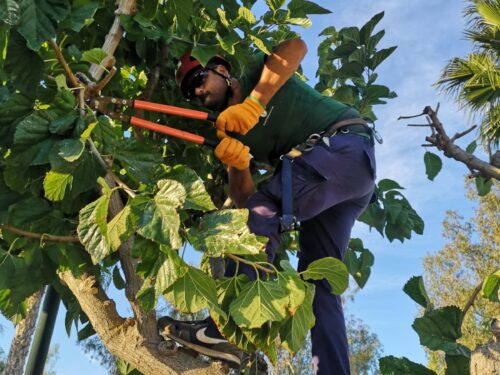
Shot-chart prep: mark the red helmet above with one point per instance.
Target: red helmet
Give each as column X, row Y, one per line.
column 188, row 65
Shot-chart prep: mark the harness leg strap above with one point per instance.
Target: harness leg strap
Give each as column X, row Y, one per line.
column 288, row 220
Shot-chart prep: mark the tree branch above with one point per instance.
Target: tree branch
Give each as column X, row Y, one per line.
column 39, row 236
column 74, row 81
column 440, row 139
column 125, row 7
column 123, row 337
column 470, row 302
column 243, row 260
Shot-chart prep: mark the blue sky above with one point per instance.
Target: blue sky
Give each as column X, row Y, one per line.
column 427, row 33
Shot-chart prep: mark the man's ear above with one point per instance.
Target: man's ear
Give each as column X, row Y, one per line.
column 222, row 70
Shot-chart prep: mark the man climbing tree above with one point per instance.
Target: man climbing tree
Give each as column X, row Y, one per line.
column 324, row 181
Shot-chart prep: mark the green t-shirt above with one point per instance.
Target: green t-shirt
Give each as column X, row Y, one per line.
column 293, row 114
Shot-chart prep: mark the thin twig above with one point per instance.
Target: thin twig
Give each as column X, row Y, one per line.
column 39, row 236
column 242, row 260
column 420, row 125
column 74, row 81
column 459, row 135
column 470, row 302
column 407, row 117
column 106, row 167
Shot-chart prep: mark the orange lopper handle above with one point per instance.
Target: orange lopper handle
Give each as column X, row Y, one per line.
column 141, row 123
column 172, row 110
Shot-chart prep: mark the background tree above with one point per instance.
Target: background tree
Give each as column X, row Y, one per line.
column 474, row 81
column 84, row 196
column 454, row 273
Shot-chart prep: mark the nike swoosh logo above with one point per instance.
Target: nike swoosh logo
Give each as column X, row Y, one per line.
column 201, row 336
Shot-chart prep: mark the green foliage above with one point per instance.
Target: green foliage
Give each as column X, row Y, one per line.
column 474, row 80
column 416, row 290
column 392, row 214
column 348, row 59
column 433, row 165
column 52, row 170
column 391, row 365
column 359, row 266
column 491, row 287
column 439, row 329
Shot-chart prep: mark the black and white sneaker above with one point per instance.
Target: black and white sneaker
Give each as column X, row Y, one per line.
column 201, row 336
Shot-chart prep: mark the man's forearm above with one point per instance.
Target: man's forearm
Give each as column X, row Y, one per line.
column 279, row 67
column 241, row 185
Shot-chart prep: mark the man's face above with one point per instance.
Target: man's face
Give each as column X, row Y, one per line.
column 210, row 88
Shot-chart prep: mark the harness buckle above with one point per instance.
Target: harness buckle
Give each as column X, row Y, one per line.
column 289, row 223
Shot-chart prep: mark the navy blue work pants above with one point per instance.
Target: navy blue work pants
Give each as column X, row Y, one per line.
column 332, row 185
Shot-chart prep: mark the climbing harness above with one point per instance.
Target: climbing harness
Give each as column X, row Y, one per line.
column 359, row 126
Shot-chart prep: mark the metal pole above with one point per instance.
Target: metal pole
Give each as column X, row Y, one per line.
column 43, row 333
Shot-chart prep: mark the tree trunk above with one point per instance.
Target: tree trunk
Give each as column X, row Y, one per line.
column 19, row 348
column 485, row 360
column 122, row 337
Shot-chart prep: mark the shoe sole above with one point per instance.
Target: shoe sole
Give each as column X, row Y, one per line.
column 229, row 358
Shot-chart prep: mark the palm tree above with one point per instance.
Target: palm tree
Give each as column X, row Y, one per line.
column 475, row 80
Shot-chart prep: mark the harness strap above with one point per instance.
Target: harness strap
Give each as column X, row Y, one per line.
column 288, row 221
column 340, row 124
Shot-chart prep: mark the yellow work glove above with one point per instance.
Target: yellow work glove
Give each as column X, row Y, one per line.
column 240, row 118
column 232, row 152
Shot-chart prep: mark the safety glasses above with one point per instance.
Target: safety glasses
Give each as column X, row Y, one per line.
column 196, row 81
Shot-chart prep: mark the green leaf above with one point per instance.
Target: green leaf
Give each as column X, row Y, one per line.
column 359, row 267
column 259, row 302
column 229, row 41
column 55, row 185
column 416, row 290
column 39, row 19
column 61, row 125
column 31, row 130
column 367, row 29
column 183, row 12
column 483, row 185
column 94, row 56
column 295, row 286
column 260, row 44
column 457, row 365
column 71, row 149
column 301, row 8
column 193, row 292
column 226, row 232
column 471, row 147
column 9, row 12
column 491, row 287
column 275, row 4
column 433, row 165
column 197, row 197
column 380, row 56
column 83, row 15
column 331, row 269
column 172, row 268
column 120, row 228
column 85, row 332
column 247, row 15
column 93, row 229
column 118, row 279
column 350, row 34
column 391, row 365
column 303, row 22
column 294, row 330
column 439, row 329
column 387, row 184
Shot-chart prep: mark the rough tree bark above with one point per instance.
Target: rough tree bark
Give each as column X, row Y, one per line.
column 20, row 345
